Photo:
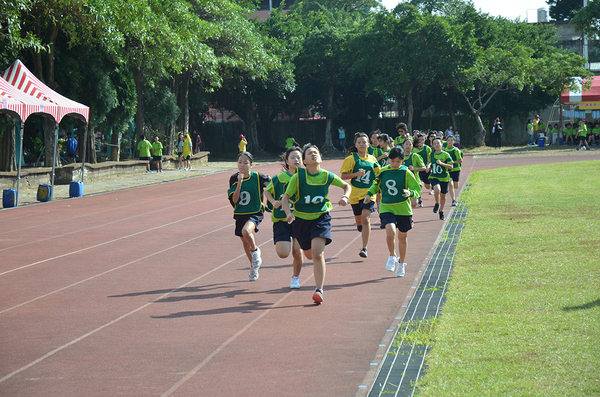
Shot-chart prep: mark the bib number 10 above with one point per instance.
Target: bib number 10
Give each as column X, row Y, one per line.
column 437, row 169
column 314, row 200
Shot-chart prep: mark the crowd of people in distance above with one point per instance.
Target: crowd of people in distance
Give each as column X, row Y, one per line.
column 378, row 174
column 580, row 134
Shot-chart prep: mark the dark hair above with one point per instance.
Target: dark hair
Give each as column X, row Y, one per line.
column 402, row 125
column 363, row 135
column 384, row 137
column 142, row 136
column 247, row 154
column 286, row 155
column 306, row 147
column 396, row 152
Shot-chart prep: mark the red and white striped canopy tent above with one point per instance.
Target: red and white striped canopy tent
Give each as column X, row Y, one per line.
column 23, row 105
column 590, row 95
column 20, row 77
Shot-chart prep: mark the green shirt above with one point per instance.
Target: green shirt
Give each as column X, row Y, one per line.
column 582, row 130
column 415, row 160
column 456, row 154
column 424, row 152
column 277, row 188
column 437, row 171
column 311, row 192
column 391, row 183
column 250, row 200
column 157, row 149
column 144, row 148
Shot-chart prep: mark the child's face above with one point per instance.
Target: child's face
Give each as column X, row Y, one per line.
column 374, row 140
column 244, row 165
column 437, row 145
column 312, row 156
column 395, row 163
column 294, row 160
column 450, row 141
column 407, row 146
column 362, row 144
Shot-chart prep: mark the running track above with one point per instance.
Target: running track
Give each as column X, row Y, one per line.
column 145, row 292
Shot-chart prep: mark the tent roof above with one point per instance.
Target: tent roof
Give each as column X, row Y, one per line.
column 20, row 77
column 591, row 95
column 19, row 105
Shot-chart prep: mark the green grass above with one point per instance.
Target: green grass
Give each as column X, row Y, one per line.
column 522, row 316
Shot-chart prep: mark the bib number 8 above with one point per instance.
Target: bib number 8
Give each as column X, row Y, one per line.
column 391, row 187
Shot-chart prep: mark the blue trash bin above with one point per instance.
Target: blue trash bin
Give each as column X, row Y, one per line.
column 541, row 142
column 43, row 193
column 9, row 198
column 76, row 189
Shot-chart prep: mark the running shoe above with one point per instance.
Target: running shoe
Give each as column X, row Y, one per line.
column 391, row 263
column 420, row 202
column 454, row 203
column 256, row 259
column 295, row 284
column 363, row 253
column 436, row 207
column 359, row 228
column 318, row 296
column 400, row 269
column 149, row 171
column 442, row 215
column 253, row 276
column 431, row 192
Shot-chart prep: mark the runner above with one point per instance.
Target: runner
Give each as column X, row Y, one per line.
column 396, row 184
column 457, row 157
column 361, row 168
column 582, row 136
column 414, row 163
column 439, row 163
column 283, row 235
column 311, row 219
column 424, row 151
column 246, row 196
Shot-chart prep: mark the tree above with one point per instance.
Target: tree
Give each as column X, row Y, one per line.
column 563, row 10
column 587, row 20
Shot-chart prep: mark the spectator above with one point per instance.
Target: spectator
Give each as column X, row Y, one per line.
column 530, row 140
column 71, row 150
column 144, row 147
column 497, row 130
column 179, row 147
column 157, row 148
column 342, row 138
column 187, row 152
column 243, row 143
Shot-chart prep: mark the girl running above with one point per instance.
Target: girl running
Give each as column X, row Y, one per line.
column 457, row 157
column 384, row 149
column 424, row 151
column 246, row 196
column 396, row 184
column 439, row 163
column 414, row 163
column 361, row 168
column 310, row 217
column 283, row 235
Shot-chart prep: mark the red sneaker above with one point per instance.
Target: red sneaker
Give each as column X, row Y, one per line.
column 318, row 296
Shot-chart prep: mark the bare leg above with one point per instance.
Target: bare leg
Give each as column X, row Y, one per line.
column 297, row 255
column 402, row 244
column 390, row 238
column 365, row 219
column 318, row 255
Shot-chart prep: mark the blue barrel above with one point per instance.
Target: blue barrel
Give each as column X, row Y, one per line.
column 9, row 198
column 560, row 141
column 541, row 142
column 43, row 193
column 76, row 189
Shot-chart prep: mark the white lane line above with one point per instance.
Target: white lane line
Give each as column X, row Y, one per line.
column 111, row 241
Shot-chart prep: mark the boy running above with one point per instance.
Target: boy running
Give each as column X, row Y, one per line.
column 439, row 163
column 457, row 158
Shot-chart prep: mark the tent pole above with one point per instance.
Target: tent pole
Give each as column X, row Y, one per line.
column 21, row 157
column 85, row 131
column 53, row 161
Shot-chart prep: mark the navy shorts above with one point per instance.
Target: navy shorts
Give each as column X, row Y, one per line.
column 454, row 175
column 282, row 231
column 358, row 208
column 157, row 158
column 145, row 158
column 402, row 222
column 443, row 185
column 240, row 221
column 306, row 230
column 424, row 177
column 180, row 154
column 187, row 157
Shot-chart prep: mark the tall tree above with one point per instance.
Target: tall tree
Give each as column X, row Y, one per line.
column 563, row 10
column 587, row 19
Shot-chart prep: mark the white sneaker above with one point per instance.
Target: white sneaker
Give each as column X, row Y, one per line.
column 391, row 263
column 295, row 283
column 253, row 274
column 400, row 269
column 256, row 259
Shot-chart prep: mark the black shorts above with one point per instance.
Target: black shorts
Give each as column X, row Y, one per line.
column 443, row 185
column 282, row 231
column 240, row 221
column 424, row 177
column 306, row 230
column 187, row 157
column 581, row 138
column 157, row 158
column 180, row 154
column 455, row 175
column 145, row 158
column 402, row 222
column 358, row 208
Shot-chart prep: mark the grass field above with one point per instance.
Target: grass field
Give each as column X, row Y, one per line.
column 522, row 316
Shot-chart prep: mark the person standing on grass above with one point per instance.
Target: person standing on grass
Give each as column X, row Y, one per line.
column 283, row 234
column 342, row 138
column 438, row 165
column 187, row 152
column 157, row 148
column 246, row 196
column 242, row 143
column 497, row 133
column 179, row 146
column 596, row 132
column 415, row 164
column 582, row 136
column 143, row 148
column 530, row 133
column 457, row 158
column 310, row 217
column 361, row 168
column 398, row 186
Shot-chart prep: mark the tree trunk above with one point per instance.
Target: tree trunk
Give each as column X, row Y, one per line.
column 185, row 102
column 173, row 127
column 50, row 70
column 140, row 127
column 7, row 149
column 451, row 111
column 90, row 149
column 252, row 133
column 481, row 130
column 115, row 149
column 49, row 132
column 411, row 110
column 328, row 145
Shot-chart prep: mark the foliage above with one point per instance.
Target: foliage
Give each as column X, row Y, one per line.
column 563, row 10
column 587, row 19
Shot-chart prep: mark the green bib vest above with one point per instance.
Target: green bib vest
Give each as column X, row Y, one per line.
column 312, row 198
column 365, row 181
column 250, row 201
column 392, row 183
